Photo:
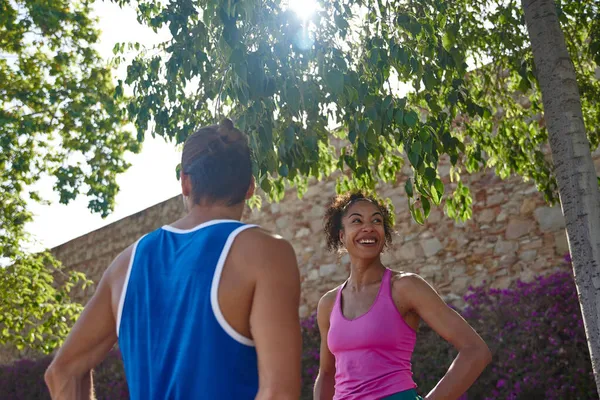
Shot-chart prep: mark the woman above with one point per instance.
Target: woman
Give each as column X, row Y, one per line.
column 368, row 324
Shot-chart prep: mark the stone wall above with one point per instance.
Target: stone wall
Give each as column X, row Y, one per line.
column 92, row 253
column 513, row 234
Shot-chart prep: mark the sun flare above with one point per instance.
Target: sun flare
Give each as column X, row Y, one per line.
column 303, row 8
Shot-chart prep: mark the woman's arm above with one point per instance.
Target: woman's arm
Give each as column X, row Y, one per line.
column 473, row 354
column 325, row 383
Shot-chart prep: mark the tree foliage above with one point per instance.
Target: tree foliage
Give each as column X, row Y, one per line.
column 35, row 312
column 295, row 84
column 58, row 117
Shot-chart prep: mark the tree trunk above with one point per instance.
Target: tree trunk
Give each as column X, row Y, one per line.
column 573, row 165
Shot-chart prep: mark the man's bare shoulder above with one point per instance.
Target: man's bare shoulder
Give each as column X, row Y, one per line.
column 262, row 251
column 259, row 242
column 117, row 270
column 260, row 233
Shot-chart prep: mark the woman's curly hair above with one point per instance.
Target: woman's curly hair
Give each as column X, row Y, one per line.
column 337, row 209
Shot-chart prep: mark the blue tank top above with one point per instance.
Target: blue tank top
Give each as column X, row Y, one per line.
column 173, row 337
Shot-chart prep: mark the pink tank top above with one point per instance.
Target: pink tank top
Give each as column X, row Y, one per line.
column 373, row 351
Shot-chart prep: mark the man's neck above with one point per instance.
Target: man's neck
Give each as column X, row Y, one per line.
column 199, row 214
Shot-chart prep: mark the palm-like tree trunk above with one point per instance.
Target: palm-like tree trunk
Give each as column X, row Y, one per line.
column 574, row 169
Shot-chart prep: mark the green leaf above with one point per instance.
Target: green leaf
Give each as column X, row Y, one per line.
column 429, row 80
column 283, row 170
column 417, row 214
column 372, row 139
column 361, row 153
column 350, row 161
column 416, row 148
column 437, row 191
column 411, row 118
column 371, row 113
column 409, row 188
column 289, row 137
column 402, row 102
column 352, row 94
column 255, row 202
column 352, row 136
column 387, row 102
column 335, row 80
column 363, row 126
column 414, row 27
column 430, row 175
column 426, row 207
column 524, row 85
column 399, row 117
column 266, row 186
column 374, row 56
column 341, row 22
column 448, row 40
column 403, row 56
column 414, row 158
column 424, row 134
column 453, row 98
column 293, row 99
column 403, row 19
column 236, row 57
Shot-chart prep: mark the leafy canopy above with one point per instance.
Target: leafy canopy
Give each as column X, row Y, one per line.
column 323, row 94
column 59, row 117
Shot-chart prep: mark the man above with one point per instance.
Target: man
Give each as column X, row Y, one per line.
column 204, row 308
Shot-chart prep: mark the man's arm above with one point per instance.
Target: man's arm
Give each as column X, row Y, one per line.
column 325, row 383
column 69, row 376
column 274, row 319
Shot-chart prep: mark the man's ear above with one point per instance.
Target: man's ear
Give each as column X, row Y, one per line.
column 251, row 188
column 186, row 184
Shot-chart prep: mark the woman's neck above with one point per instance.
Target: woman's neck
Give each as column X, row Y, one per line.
column 365, row 272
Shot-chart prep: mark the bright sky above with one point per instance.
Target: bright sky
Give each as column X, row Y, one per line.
column 151, row 178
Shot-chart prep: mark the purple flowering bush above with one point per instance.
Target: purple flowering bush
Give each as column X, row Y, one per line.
column 24, row 379
column 311, row 342
column 534, row 330
column 109, row 378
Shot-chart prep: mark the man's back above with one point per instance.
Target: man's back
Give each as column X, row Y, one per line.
column 175, row 341
column 188, row 301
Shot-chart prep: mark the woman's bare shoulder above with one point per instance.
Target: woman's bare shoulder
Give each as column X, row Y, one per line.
column 328, row 299
column 402, row 280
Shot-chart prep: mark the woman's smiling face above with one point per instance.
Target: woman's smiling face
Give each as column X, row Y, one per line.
column 363, row 230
